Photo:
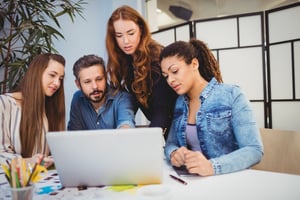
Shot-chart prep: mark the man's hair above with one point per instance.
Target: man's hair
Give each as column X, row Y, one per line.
column 86, row 62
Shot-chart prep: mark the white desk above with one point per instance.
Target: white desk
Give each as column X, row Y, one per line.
column 244, row 185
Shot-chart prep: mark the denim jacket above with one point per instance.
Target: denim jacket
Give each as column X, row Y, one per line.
column 226, row 128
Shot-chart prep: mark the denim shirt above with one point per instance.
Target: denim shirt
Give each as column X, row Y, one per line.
column 116, row 111
column 226, row 128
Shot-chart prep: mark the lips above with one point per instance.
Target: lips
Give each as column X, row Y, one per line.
column 127, row 48
column 96, row 93
column 176, row 87
column 50, row 91
column 53, row 89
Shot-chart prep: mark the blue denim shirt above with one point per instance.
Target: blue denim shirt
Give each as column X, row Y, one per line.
column 226, row 128
column 117, row 111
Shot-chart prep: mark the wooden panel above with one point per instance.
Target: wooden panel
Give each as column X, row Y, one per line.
column 281, row 151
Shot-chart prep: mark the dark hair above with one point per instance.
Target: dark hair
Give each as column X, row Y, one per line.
column 86, row 62
column 208, row 65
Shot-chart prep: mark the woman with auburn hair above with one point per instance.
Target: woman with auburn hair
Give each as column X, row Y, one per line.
column 34, row 108
column 133, row 65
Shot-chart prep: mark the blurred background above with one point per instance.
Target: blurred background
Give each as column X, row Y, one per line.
column 200, row 9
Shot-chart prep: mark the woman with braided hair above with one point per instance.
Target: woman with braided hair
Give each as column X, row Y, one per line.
column 213, row 129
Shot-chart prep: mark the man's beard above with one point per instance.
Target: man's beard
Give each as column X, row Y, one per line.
column 98, row 98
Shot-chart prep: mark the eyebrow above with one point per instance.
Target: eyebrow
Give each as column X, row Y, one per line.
column 172, row 65
column 168, row 69
column 56, row 72
column 133, row 29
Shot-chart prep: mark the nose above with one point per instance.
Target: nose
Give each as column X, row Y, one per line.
column 94, row 85
column 57, row 82
column 170, row 79
column 125, row 39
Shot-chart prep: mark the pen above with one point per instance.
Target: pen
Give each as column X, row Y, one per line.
column 178, row 179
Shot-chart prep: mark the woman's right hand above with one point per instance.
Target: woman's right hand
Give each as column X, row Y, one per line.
column 48, row 161
column 177, row 157
column 40, row 159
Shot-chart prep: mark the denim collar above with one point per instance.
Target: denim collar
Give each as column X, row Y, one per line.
column 206, row 92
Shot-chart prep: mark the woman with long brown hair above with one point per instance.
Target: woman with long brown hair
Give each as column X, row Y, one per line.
column 133, row 65
column 34, row 108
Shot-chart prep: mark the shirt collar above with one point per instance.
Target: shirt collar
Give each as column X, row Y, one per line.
column 207, row 90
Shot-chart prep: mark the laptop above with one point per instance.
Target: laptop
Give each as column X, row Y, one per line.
column 108, row 156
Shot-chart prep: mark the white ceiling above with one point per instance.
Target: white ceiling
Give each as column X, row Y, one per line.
column 214, row 8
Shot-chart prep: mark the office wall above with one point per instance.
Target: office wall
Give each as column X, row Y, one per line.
column 240, row 37
column 263, row 62
column 237, row 43
column 283, row 41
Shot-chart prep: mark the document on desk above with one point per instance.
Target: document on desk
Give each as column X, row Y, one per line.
column 182, row 171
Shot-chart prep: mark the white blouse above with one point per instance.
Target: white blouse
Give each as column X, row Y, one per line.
column 10, row 119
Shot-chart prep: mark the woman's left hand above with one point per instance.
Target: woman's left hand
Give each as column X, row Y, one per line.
column 196, row 163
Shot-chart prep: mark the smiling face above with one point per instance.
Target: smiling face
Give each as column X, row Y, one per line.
column 180, row 75
column 92, row 83
column 52, row 77
column 127, row 35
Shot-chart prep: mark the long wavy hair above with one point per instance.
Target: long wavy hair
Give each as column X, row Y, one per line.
column 35, row 105
column 145, row 61
column 208, row 65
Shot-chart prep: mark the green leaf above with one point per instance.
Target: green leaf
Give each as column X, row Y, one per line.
column 30, row 29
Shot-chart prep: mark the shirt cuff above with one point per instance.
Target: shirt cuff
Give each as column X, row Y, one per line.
column 217, row 167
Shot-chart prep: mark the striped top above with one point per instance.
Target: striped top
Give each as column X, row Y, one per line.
column 10, row 119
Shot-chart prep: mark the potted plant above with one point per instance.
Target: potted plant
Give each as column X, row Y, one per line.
column 27, row 28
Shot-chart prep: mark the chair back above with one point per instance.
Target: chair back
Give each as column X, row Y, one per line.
column 281, row 151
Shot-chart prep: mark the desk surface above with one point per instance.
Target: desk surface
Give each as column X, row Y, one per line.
column 247, row 184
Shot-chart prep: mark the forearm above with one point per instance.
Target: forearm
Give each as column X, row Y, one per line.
column 238, row 160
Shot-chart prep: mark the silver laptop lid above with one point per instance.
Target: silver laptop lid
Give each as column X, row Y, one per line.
column 108, row 157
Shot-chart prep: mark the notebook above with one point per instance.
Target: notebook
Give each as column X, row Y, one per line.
column 108, row 157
